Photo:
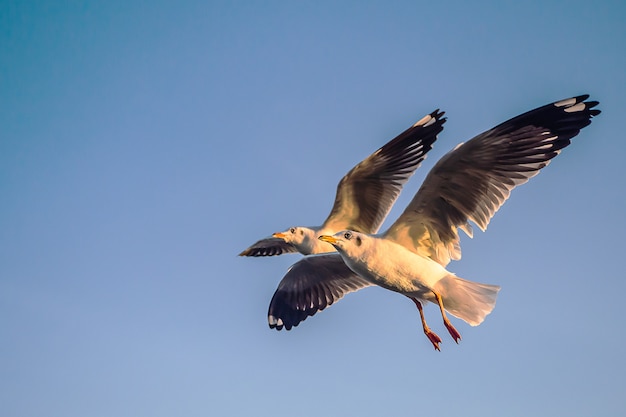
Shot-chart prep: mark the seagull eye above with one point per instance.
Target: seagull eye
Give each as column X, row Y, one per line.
column 347, row 235
column 292, row 230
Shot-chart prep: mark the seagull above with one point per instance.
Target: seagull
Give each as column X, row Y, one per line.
column 364, row 195
column 470, row 183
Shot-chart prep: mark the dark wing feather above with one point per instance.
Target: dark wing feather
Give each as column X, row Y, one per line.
column 311, row 285
column 269, row 247
column 471, row 182
column 366, row 193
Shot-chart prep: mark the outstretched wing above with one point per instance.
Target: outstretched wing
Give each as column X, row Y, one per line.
column 471, row 182
column 310, row 285
column 269, row 247
column 366, row 193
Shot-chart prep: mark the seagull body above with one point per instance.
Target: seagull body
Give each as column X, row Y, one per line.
column 408, row 273
column 364, row 195
column 392, row 266
column 470, row 183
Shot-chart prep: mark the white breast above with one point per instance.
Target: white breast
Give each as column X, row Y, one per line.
column 394, row 267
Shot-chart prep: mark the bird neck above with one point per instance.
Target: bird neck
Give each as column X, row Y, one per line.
column 311, row 245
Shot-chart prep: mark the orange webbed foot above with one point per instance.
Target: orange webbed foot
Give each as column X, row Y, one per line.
column 453, row 332
column 434, row 338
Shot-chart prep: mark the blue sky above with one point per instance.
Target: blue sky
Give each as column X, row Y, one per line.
column 144, row 144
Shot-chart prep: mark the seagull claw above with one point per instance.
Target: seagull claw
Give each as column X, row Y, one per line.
column 453, row 332
column 434, row 339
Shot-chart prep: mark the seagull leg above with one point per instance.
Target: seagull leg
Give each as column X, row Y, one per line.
column 453, row 332
column 432, row 336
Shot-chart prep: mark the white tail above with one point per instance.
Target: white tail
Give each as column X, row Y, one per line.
column 467, row 300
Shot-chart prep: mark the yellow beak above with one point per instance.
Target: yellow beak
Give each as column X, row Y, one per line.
column 279, row 235
column 330, row 239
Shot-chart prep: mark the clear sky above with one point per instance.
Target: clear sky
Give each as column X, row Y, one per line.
column 144, row 144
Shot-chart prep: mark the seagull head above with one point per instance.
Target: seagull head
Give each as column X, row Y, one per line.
column 299, row 236
column 347, row 241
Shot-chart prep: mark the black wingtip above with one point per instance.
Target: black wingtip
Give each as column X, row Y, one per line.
column 438, row 115
column 590, row 105
column 583, row 99
column 281, row 315
column 564, row 118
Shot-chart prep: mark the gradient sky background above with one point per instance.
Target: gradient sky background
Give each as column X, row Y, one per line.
column 143, row 144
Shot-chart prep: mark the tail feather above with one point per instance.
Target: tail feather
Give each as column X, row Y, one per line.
column 467, row 300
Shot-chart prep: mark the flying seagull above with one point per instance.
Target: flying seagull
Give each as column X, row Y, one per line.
column 470, row 183
column 364, row 195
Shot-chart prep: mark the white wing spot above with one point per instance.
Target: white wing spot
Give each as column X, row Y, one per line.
column 578, row 107
column 566, row 102
column 550, row 139
column 424, row 121
column 547, row 146
column 275, row 322
column 430, row 122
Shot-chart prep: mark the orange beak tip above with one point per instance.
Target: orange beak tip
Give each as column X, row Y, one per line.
column 326, row 238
